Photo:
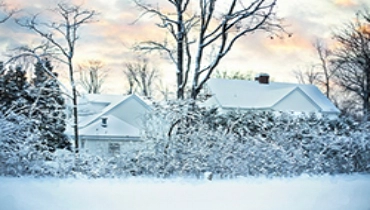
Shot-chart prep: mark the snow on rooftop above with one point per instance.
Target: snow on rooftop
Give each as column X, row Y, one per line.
column 104, row 98
column 253, row 95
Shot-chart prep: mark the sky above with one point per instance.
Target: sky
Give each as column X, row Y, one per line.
column 110, row 38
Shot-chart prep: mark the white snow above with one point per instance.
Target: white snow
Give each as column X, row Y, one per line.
column 319, row 193
column 246, row 94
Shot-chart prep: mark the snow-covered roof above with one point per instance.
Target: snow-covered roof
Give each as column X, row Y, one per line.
column 245, row 94
column 98, row 105
column 93, row 107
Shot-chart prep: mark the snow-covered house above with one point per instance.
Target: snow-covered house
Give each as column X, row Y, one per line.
column 109, row 123
column 264, row 95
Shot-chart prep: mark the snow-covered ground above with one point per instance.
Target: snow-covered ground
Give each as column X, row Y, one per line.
column 318, row 193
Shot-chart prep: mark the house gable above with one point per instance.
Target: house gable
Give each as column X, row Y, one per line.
column 115, row 128
column 296, row 101
column 129, row 109
column 110, row 122
column 132, row 111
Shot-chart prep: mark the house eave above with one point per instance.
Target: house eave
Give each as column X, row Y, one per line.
column 230, row 108
column 110, row 137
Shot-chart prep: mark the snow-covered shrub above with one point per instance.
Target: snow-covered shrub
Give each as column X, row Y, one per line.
column 183, row 139
column 21, row 150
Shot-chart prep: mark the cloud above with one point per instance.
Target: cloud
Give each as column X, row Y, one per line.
column 110, row 38
column 345, row 3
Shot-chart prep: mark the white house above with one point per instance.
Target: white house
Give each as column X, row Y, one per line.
column 109, row 123
column 264, row 95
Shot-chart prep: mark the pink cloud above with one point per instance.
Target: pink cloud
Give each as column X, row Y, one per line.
column 345, row 3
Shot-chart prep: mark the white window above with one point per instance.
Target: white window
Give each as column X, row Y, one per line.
column 114, row 149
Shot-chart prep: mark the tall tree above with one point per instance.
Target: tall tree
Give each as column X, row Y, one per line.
column 63, row 35
column 320, row 73
column 48, row 108
column 352, row 57
column 141, row 77
column 40, row 101
column 328, row 70
column 92, row 76
column 213, row 27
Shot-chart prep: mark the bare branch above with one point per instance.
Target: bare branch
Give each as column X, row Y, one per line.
column 141, row 76
column 352, row 58
column 8, row 12
column 309, row 75
column 37, row 54
column 63, row 35
column 210, row 27
column 150, row 46
column 92, row 76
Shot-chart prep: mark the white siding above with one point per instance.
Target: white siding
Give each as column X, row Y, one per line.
column 131, row 111
column 296, row 101
column 101, row 147
column 95, row 147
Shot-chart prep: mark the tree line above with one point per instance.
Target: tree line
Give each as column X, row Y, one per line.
column 200, row 35
column 39, row 99
column 343, row 70
column 217, row 27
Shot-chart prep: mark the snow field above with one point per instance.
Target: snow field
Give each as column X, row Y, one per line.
column 342, row 192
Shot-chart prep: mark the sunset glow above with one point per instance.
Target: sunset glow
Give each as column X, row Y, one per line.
column 110, row 39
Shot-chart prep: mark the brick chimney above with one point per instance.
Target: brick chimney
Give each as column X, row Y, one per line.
column 263, row 78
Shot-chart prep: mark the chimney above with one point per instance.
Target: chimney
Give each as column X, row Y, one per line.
column 263, row 78
column 104, row 121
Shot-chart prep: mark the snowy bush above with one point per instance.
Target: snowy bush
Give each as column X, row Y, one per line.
column 21, row 150
column 183, row 139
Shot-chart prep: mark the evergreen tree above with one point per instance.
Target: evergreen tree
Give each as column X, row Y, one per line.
column 49, row 106
column 14, row 94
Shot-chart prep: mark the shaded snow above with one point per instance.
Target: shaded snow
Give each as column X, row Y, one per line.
column 326, row 193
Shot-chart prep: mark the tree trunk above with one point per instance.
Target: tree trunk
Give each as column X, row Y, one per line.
column 367, row 95
column 327, row 84
column 180, row 52
column 75, row 110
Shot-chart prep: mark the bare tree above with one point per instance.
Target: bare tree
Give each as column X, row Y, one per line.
column 63, row 35
column 307, row 75
column 92, row 76
column 206, row 24
column 328, row 70
column 320, row 73
column 141, row 76
column 131, row 82
column 8, row 13
column 225, row 74
column 165, row 90
column 352, row 58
